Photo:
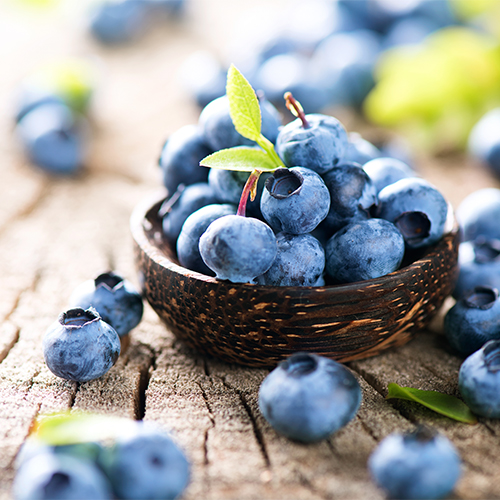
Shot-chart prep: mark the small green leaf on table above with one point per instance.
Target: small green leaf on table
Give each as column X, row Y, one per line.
column 446, row 405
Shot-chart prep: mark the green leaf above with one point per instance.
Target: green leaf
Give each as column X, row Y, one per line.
column 70, row 428
column 243, row 105
column 241, row 158
column 444, row 404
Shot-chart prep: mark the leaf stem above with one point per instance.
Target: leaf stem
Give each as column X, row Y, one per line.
column 250, row 188
column 268, row 147
column 296, row 108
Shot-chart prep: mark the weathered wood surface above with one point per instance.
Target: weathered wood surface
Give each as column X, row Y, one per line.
column 56, row 233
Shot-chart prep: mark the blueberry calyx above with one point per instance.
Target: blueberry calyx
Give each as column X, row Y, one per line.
column 491, row 355
column 481, row 297
column 78, row 317
column 109, row 280
column 422, row 434
column 486, row 250
column 414, row 226
column 284, row 183
column 300, row 364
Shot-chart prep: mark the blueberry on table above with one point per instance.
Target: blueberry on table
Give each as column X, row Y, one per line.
column 308, row 397
column 417, row 208
column 181, row 204
column 238, row 248
column 479, row 380
column 314, row 141
column 196, row 224
column 115, row 299
column 31, row 96
column 50, row 476
column 120, row 21
column 384, row 171
column 478, row 214
column 218, row 128
column 473, row 320
column 80, row 346
column 145, row 465
column 416, row 465
column 479, row 264
column 180, row 158
column 364, row 250
column 353, row 196
column 295, row 200
column 52, row 138
column 300, row 261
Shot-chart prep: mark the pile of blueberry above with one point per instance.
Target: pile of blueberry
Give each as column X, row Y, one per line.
column 115, row 22
column 50, row 115
column 332, row 210
column 140, row 461
column 86, row 340
column 323, row 51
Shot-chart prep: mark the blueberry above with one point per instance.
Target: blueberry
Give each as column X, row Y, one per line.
column 479, row 380
column 360, row 150
column 204, row 77
column 228, row 186
column 218, row 128
column 52, row 138
column 479, row 264
column 479, row 213
column 295, row 200
column 115, row 299
column 291, row 73
column 238, row 248
column 300, row 261
column 178, row 207
column 195, row 225
column 118, row 21
column 417, row 465
column 417, row 208
column 484, row 140
column 473, row 320
column 31, row 96
column 353, row 196
column 364, row 250
column 385, row 171
column 347, row 60
column 180, row 158
column 50, row 476
column 80, row 346
column 318, row 146
column 146, row 464
column 308, row 397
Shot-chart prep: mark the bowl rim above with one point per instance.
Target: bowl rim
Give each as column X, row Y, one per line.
column 144, row 208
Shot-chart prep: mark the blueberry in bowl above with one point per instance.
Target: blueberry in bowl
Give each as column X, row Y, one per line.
column 247, row 311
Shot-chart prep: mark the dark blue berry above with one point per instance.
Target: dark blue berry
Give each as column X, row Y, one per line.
column 238, row 248
column 80, row 346
column 385, row 171
column 295, row 200
column 415, row 466
column 479, row 380
column 300, row 261
column 196, row 224
column 309, row 397
column 115, row 299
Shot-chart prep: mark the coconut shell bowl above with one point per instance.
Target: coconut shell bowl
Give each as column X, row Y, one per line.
column 259, row 326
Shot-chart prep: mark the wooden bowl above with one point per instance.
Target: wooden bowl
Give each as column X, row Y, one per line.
column 259, row 326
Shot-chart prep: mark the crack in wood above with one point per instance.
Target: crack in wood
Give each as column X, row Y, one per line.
column 253, row 421
column 212, row 422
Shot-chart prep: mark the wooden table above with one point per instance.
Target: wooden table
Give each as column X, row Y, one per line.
column 56, row 233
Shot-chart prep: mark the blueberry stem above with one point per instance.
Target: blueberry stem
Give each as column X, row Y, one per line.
column 296, row 108
column 250, row 188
